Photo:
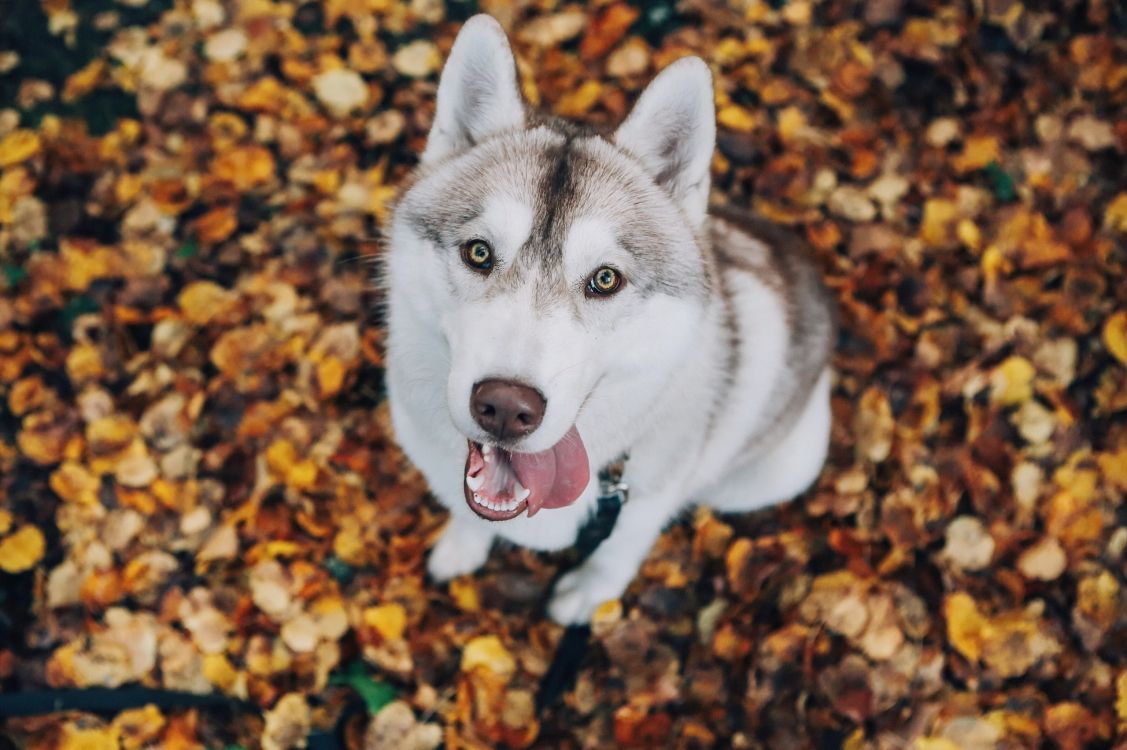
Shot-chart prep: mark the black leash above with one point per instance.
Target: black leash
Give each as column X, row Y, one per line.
column 576, row 639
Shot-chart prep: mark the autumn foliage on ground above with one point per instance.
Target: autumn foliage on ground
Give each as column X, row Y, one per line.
column 199, row 490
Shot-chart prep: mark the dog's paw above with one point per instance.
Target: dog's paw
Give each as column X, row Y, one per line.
column 579, row 593
column 457, row 552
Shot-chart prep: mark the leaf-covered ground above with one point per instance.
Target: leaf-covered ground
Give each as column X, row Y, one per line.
column 199, row 491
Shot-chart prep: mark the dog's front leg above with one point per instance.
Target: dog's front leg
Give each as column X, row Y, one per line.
column 609, row 570
column 463, row 548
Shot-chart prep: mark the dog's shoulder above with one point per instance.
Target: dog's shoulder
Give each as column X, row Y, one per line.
column 782, row 261
column 743, row 241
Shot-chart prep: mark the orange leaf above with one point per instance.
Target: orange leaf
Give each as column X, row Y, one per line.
column 606, row 30
column 244, row 167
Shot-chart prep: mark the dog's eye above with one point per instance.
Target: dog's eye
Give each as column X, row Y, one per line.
column 478, row 255
column 603, row 282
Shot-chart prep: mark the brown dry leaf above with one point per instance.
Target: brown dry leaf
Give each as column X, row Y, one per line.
column 418, row 59
column 343, row 91
column 1044, row 561
column 553, row 29
column 216, row 225
column 969, row 545
column 287, row 723
column 631, row 58
column 873, row 426
column 396, row 728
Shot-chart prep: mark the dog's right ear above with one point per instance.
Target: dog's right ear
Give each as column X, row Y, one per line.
column 478, row 94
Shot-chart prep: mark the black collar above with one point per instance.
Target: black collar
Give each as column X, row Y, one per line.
column 613, row 494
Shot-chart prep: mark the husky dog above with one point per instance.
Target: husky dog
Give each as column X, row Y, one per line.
column 558, row 298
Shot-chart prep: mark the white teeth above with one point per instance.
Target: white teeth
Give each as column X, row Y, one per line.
column 497, row 505
column 474, row 483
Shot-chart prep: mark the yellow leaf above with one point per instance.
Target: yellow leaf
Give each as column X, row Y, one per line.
column 1121, row 696
column 939, row 215
column 792, row 124
column 735, row 117
column 349, row 546
column 464, row 593
column 1115, row 335
column 282, row 459
column 330, row 376
column 139, row 727
column 17, row 146
column 605, row 616
column 84, row 81
column 1097, row 597
column 89, row 739
column 265, row 95
column 966, row 628
column 1012, row 381
column 389, row 620
column 218, row 671
column 22, row 550
column 1115, row 215
column 1076, row 522
column 487, row 652
column 1114, row 468
column 579, row 102
column 5, row 521
column 203, row 301
column 978, row 152
column 74, row 484
column 967, row 232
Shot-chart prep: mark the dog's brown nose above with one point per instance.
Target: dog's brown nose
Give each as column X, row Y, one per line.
column 506, row 409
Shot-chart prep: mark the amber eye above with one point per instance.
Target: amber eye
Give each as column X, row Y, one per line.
column 478, row 255
column 604, row 281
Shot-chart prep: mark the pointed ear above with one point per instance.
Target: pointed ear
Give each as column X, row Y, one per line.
column 672, row 131
column 478, row 93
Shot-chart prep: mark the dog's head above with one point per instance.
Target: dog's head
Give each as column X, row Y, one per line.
column 561, row 268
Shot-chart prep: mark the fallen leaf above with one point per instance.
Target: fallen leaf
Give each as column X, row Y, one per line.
column 487, row 652
column 22, row 549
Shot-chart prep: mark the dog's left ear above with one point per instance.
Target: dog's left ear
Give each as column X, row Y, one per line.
column 672, row 130
column 478, row 94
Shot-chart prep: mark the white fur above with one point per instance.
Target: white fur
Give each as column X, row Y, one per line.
column 478, row 95
column 634, row 372
column 674, row 122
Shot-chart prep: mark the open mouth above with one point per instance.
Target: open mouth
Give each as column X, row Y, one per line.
column 501, row 484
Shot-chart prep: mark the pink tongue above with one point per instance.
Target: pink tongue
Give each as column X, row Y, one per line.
column 557, row 476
